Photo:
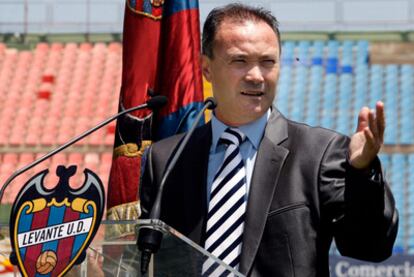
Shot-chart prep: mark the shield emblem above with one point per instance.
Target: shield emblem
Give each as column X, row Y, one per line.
column 50, row 230
column 149, row 8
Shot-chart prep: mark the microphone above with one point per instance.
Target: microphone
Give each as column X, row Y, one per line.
column 149, row 240
column 153, row 103
column 156, row 102
column 212, row 101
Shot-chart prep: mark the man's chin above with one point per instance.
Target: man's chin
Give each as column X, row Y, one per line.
column 252, row 116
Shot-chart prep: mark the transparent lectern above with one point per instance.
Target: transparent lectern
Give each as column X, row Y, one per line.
column 113, row 252
column 113, row 255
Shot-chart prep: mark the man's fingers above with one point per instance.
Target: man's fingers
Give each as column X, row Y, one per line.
column 363, row 119
column 380, row 120
column 371, row 143
column 373, row 126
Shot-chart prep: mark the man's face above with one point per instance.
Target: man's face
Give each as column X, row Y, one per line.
column 244, row 70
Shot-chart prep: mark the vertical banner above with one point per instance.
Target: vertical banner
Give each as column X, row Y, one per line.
column 161, row 56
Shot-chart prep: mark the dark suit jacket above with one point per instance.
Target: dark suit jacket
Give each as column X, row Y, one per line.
column 303, row 193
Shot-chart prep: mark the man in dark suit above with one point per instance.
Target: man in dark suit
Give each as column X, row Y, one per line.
column 304, row 185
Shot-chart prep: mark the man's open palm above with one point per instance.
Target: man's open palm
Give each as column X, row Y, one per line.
column 369, row 137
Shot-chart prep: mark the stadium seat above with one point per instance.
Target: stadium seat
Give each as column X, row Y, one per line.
column 115, row 47
column 3, row 48
column 362, row 52
column 92, row 161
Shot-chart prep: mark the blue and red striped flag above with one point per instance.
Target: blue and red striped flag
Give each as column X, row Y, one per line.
column 161, row 56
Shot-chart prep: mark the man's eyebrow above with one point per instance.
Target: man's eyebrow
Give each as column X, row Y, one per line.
column 233, row 56
column 269, row 56
column 236, row 55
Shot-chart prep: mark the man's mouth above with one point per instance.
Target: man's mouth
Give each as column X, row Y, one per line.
column 252, row 93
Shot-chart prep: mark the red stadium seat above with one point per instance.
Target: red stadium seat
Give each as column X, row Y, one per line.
column 56, row 46
column 25, row 159
column 60, row 158
column 92, row 161
column 59, row 91
column 32, row 139
column 109, row 139
column 97, row 138
column 75, row 158
column 3, row 48
column 10, row 158
column 115, row 47
column 85, row 46
column 42, row 46
column 48, row 139
column 3, row 139
column 106, row 158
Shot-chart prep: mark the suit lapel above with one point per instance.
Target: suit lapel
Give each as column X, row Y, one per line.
column 269, row 161
column 195, row 178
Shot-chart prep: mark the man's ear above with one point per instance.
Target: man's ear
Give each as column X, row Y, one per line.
column 205, row 67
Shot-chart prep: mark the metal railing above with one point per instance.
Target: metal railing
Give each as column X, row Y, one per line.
column 106, row 16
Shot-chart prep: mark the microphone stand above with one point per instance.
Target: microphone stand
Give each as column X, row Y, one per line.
column 154, row 102
column 149, row 240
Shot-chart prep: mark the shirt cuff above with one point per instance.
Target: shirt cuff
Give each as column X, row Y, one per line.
column 373, row 172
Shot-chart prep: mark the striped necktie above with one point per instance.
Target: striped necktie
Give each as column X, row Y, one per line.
column 227, row 206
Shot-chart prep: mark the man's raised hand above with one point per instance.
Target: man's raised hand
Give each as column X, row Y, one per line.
column 369, row 137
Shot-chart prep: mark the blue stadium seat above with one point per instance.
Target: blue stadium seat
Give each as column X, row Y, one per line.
column 318, row 47
column 344, row 104
column 333, row 46
column 376, row 84
column 398, row 249
column 362, row 52
column 314, row 95
column 303, row 52
column 285, row 83
column 347, row 54
column 398, row 171
column 411, row 170
column 360, row 92
column 298, row 96
column 288, row 52
column 406, row 105
column 329, row 101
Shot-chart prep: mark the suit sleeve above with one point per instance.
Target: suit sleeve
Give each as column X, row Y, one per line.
column 154, row 162
column 360, row 208
column 146, row 190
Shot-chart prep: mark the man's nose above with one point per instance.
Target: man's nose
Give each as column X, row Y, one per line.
column 254, row 74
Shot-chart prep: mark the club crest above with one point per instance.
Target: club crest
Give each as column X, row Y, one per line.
column 149, row 8
column 50, row 230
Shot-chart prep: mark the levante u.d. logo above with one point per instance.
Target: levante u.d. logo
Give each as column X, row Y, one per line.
column 50, row 230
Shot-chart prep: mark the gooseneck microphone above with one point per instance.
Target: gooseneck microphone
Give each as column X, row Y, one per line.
column 154, row 103
column 149, row 240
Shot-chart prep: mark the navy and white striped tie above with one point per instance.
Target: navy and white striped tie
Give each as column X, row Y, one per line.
column 227, row 206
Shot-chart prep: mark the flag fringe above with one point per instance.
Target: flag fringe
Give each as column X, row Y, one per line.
column 127, row 211
column 131, row 149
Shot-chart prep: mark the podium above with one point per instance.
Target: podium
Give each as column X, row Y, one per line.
column 114, row 254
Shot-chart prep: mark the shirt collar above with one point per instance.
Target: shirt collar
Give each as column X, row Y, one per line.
column 253, row 131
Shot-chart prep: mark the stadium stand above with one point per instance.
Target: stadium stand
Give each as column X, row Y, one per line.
column 50, row 94
column 58, row 90
column 326, row 83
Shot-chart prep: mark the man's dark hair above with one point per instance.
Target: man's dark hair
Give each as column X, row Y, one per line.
column 234, row 12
